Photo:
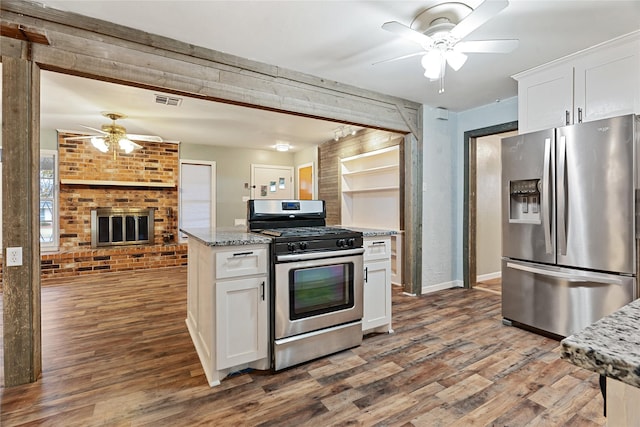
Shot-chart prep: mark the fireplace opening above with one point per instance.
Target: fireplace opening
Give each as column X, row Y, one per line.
column 121, row 226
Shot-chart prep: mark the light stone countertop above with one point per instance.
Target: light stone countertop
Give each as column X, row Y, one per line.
column 610, row 347
column 225, row 236
column 370, row 232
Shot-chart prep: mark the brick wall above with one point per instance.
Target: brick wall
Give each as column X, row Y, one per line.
column 153, row 163
column 329, row 155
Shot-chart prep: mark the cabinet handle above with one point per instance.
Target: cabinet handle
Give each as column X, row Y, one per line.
column 366, row 274
column 377, row 243
column 566, row 117
column 579, row 115
column 243, row 253
column 262, row 291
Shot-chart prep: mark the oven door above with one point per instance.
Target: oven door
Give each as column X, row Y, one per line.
column 317, row 290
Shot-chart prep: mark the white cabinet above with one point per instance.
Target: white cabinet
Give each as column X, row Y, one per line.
column 600, row 82
column 241, row 316
column 377, row 285
column 227, row 307
column 396, row 258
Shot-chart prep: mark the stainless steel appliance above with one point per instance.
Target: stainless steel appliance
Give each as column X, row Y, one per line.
column 569, row 224
column 317, row 280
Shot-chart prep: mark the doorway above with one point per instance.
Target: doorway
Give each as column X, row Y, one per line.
column 481, row 147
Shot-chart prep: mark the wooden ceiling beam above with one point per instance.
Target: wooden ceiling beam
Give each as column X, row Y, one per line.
column 20, row 32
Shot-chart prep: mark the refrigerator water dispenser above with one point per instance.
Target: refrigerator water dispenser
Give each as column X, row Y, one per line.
column 524, row 201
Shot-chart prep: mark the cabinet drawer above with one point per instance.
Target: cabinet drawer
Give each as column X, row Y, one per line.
column 241, row 262
column 377, row 248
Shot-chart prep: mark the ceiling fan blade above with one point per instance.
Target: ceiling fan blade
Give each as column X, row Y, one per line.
column 399, row 57
column 147, row 138
column 408, row 33
column 486, row 46
column 94, row 129
column 487, row 10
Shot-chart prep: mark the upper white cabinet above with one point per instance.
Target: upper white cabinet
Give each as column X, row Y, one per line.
column 370, row 185
column 599, row 82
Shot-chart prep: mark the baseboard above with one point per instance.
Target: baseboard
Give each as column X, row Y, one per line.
column 489, row 276
column 440, row 286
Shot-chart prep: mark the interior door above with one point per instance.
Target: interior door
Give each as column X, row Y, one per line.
column 596, row 195
column 271, row 182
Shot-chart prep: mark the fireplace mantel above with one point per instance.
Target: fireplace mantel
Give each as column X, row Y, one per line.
column 117, row 183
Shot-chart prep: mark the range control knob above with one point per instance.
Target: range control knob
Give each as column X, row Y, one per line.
column 341, row 243
column 351, row 242
column 303, row 245
column 291, row 246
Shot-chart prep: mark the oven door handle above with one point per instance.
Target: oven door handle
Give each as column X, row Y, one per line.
column 319, row 255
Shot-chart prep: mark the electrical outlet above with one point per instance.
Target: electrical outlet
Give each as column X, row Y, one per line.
column 14, row 257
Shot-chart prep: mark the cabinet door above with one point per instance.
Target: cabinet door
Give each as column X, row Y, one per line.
column 242, row 324
column 377, row 295
column 545, row 99
column 607, row 83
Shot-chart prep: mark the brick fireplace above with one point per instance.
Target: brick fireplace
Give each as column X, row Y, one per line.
column 91, row 180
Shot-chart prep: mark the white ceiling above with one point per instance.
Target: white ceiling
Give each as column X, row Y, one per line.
column 336, row 40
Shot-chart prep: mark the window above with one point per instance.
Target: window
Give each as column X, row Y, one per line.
column 48, row 200
column 197, row 194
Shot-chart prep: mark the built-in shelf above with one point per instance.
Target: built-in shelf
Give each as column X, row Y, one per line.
column 368, row 190
column 117, row 183
column 372, row 170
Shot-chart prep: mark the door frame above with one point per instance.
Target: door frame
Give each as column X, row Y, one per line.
column 470, row 209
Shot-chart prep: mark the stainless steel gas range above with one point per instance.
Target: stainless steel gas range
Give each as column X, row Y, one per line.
column 316, row 280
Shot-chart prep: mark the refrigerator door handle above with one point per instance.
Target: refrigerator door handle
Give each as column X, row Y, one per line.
column 546, row 196
column 562, row 196
column 570, row 277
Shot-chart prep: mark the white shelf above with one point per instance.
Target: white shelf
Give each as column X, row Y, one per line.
column 372, row 170
column 369, row 190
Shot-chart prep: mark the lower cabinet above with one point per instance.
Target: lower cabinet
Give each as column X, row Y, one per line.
column 377, row 285
column 228, row 307
column 241, row 316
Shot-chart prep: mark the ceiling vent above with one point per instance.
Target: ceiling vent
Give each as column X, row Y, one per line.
column 168, row 100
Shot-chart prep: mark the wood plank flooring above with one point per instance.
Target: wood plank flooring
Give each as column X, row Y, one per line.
column 117, row 353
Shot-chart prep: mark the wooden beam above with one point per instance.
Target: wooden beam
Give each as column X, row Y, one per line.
column 20, row 198
column 412, row 241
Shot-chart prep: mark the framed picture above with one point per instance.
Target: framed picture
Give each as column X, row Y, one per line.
column 305, row 182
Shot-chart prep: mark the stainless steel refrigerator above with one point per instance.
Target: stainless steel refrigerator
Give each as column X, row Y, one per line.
column 569, row 224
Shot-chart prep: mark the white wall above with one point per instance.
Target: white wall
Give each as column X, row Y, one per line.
column 438, row 216
column 443, row 188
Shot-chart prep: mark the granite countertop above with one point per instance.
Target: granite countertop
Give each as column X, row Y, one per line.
column 610, row 347
column 225, row 236
column 370, row 232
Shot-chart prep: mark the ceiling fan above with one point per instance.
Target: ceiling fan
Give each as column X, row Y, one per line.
column 113, row 134
column 440, row 31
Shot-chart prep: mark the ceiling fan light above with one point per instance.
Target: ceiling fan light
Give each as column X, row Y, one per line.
column 455, row 59
column 100, row 144
column 431, row 62
column 126, row 145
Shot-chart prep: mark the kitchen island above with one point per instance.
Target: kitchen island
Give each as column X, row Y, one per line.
column 611, row 347
column 228, row 299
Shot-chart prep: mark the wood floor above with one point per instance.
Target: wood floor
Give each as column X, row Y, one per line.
column 117, row 353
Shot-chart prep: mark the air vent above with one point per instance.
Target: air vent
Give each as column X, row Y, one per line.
column 168, row 100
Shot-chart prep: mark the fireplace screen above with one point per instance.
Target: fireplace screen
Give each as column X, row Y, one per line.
column 121, row 226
